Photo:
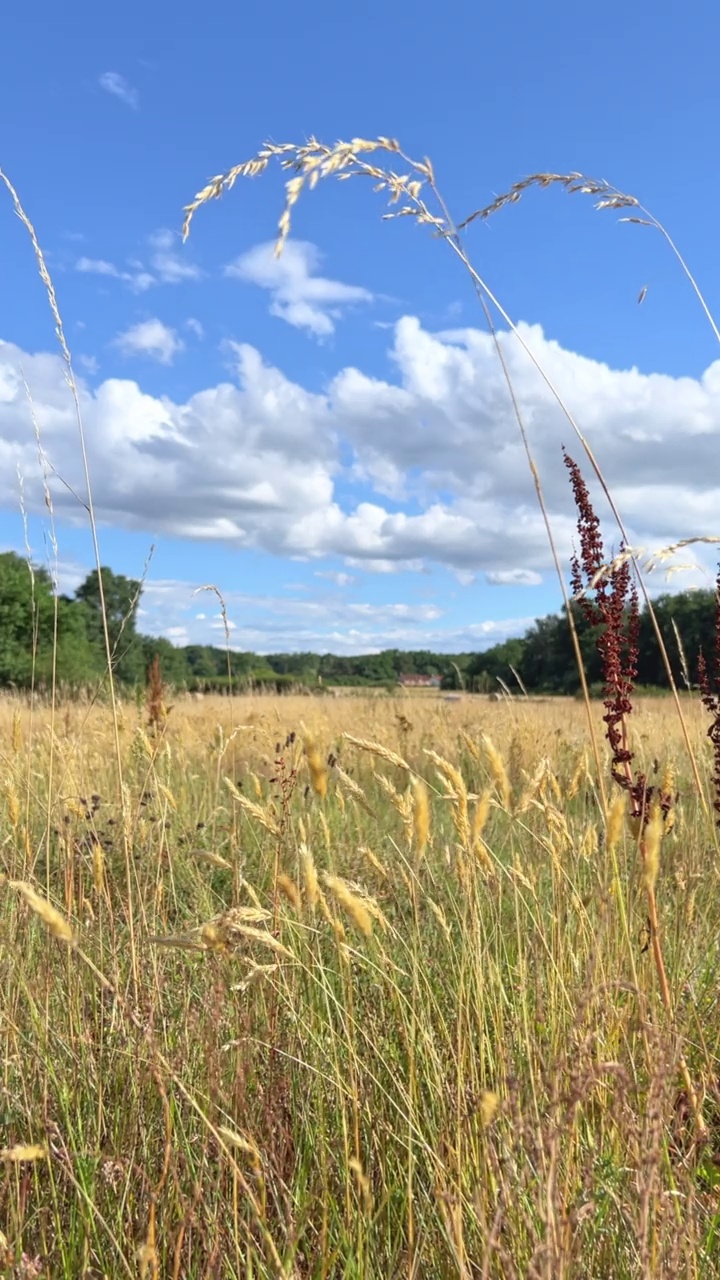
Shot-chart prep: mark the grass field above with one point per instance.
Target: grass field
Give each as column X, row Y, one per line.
column 336, row 1009
column 367, row 987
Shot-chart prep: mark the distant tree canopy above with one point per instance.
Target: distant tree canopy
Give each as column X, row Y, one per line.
column 120, row 597
column 44, row 635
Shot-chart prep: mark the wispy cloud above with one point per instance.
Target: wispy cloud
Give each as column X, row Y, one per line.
column 138, row 280
column 298, row 296
column 340, row 579
column 112, row 82
column 514, row 578
column 150, row 338
column 170, row 266
column 166, row 265
column 272, row 623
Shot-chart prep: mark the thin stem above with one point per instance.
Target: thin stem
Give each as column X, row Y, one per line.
column 453, row 239
column 90, row 508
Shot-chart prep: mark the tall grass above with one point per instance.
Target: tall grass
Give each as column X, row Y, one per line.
column 367, row 988
column 409, row 1026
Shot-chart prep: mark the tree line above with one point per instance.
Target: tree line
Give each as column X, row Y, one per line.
column 45, row 635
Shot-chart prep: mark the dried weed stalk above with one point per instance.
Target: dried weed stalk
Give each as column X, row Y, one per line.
column 710, row 694
column 609, row 601
column 156, row 709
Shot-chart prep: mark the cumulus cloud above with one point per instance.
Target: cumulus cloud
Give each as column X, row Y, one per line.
column 112, row 82
column 260, row 461
column 298, row 296
column 150, row 338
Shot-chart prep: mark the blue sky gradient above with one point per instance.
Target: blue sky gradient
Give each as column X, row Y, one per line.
column 332, row 446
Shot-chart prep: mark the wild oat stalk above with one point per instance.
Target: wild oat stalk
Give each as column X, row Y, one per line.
column 605, row 196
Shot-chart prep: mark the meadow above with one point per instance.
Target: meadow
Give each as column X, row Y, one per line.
column 354, row 986
column 371, row 986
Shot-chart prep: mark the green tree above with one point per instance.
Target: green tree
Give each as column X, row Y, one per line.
column 687, row 622
column 483, row 669
column 26, row 620
column 122, row 597
column 30, row 632
column 173, row 661
column 202, row 661
column 80, row 661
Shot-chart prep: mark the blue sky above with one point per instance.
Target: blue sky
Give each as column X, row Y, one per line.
column 329, row 440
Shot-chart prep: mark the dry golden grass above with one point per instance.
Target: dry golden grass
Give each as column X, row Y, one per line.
column 395, row 1015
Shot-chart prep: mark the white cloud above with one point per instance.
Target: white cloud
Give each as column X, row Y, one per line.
column 340, row 579
column 150, row 338
column 168, row 265
column 195, row 328
column 383, row 612
column 298, row 296
column 282, row 623
column 168, row 262
column 514, row 578
column 139, row 280
column 96, row 265
column 112, row 82
column 262, row 462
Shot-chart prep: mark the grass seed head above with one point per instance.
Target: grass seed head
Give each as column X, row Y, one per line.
column 616, row 820
column 16, row 738
column 498, row 771
column 310, row 877
column 98, row 867
column 288, row 887
column 316, row 766
column 23, row 1153
column 13, row 807
column 355, row 905
column 652, row 840
column 377, row 749
column 589, row 844
column 421, row 816
column 50, row 916
column 363, row 1184
column 489, row 1104
column 254, row 810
